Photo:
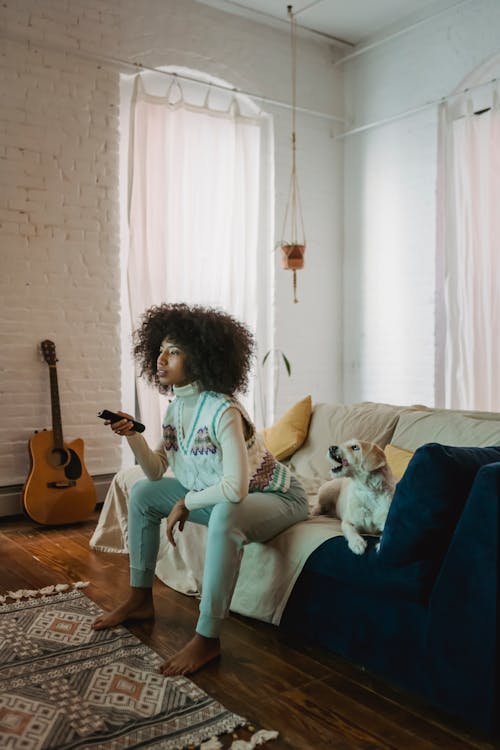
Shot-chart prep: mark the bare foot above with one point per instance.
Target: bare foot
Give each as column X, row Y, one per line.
column 138, row 606
column 195, row 654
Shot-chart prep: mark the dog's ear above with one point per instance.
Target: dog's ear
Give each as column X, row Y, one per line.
column 373, row 457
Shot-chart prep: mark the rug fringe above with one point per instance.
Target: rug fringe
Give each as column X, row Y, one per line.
column 56, row 588
column 263, row 735
column 259, row 738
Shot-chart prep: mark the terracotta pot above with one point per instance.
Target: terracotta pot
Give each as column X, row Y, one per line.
column 292, row 257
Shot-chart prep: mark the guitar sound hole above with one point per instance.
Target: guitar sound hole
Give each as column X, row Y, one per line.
column 59, row 457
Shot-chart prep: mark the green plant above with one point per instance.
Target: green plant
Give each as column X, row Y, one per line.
column 282, row 360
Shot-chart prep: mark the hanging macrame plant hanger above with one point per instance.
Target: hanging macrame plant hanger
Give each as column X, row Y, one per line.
column 293, row 244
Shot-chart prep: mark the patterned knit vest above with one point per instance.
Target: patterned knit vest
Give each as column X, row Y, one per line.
column 196, row 458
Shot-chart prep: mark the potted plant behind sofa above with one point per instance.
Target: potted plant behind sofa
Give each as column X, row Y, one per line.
column 283, row 360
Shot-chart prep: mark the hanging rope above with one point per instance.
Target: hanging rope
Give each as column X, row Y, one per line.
column 293, row 247
column 293, row 40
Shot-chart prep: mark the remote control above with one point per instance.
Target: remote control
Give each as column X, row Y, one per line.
column 114, row 417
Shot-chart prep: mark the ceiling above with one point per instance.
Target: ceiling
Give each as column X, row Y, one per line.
column 350, row 21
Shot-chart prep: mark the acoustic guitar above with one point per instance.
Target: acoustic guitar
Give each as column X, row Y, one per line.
column 59, row 489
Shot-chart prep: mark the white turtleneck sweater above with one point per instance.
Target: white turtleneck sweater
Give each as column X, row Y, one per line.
column 233, row 486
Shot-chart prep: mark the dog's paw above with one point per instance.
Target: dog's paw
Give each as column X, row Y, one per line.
column 358, row 545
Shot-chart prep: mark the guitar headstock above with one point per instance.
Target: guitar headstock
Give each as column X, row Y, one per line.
column 49, row 351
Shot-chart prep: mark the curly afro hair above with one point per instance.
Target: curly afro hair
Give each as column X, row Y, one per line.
column 219, row 349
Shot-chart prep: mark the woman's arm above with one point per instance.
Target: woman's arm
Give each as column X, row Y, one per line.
column 153, row 462
column 233, row 486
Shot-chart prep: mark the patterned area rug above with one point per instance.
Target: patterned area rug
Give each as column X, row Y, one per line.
column 63, row 685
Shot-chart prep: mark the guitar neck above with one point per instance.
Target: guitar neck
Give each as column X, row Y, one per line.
column 56, row 409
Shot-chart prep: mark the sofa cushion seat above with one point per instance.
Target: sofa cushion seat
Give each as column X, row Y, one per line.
column 429, row 500
column 362, row 573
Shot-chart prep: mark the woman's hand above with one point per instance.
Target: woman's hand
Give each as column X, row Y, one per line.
column 178, row 515
column 124, row 427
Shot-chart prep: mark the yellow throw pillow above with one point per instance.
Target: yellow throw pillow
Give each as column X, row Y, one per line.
column 398, row 459
column 286, row 435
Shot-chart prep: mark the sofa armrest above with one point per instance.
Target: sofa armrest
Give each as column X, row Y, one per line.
column 462, row 621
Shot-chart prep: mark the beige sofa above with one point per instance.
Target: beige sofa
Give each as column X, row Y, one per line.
column 279, row 562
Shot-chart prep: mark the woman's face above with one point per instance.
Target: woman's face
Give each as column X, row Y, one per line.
column 170, row 364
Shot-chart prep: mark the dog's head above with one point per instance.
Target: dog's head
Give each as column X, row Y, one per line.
column 355, row 457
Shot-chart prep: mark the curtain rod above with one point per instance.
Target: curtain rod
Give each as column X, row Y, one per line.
column 379, row 42
column 118, row 62
column 234, row 90
column 414, row 110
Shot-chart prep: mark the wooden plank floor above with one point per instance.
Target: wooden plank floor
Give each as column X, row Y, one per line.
column 316, row 700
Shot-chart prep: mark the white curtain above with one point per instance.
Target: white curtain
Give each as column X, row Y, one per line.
column 200, row 227
column 468, row 326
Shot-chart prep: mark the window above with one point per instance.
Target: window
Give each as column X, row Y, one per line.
column 468, row 312
column 199, row 207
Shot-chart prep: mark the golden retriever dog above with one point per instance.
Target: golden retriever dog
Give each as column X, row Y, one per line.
column 361, row 492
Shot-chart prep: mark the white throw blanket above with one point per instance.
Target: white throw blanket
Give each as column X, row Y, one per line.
column 268, row 571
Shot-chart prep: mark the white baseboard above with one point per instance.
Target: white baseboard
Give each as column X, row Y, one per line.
column 10, row 497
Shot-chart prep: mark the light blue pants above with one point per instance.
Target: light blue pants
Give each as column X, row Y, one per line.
column 257, row 518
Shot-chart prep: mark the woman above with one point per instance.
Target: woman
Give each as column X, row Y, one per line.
column 224, row 477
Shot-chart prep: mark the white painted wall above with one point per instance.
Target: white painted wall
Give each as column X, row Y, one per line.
column 390, row 199
column 59, row 200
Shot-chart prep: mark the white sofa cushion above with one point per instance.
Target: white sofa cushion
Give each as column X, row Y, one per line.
column 448, row 427
column 332, row 424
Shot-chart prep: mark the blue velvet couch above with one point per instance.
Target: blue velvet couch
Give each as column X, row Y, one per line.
column 422, row 611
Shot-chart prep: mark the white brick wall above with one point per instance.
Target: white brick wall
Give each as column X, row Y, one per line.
column 59, row 212
column 58, row 234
